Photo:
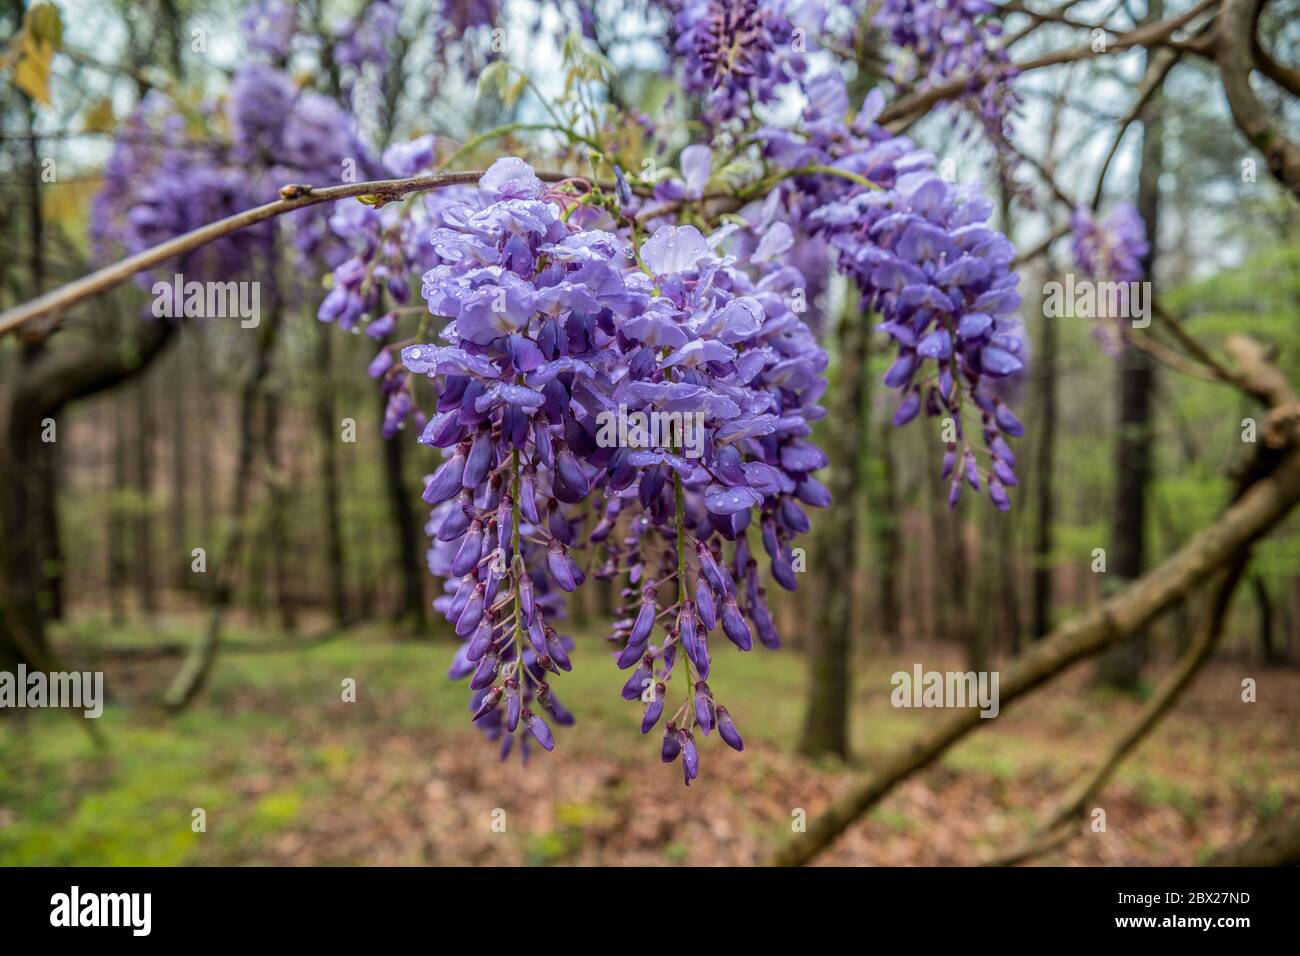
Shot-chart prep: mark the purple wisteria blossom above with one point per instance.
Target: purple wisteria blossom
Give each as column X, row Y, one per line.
column 554, row 336
column 1114, row 249
column 955, row 39
column 921, row 254
column 735, row 52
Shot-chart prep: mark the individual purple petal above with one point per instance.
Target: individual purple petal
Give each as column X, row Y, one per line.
column 703, row 701
column 654, row 709
column 672, row 746
column 727, row 730
column 735, row 626
column 539, row 729
column 722, row 500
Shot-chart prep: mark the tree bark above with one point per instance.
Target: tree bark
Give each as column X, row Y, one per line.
column 144, row 461
column 278, row 523
column 327, row 430
column 177, row 559
column 410, row 610
column 889, row 540
column 1122, row 667
column 40, row 390
column 826, row 719
column 1044, row 486
column 117, row 563
column 1264, row 606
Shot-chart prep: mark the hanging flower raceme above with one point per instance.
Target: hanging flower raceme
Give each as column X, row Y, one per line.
column 735, row 52
column 658, row 415
column 1115, row 248
column 955, row 40
column 921, row 254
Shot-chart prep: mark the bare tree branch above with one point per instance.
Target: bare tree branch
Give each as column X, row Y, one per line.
column 1064, row 822
column 1233, row 52
column 909, row 108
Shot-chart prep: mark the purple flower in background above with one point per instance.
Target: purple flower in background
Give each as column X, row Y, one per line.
column 269, row 26
column 955, row 39
column 369, row 39
column 1115, row 249
column 733, row 50
column 923, row 258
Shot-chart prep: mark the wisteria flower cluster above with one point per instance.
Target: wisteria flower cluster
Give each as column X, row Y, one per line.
column 166, row 176
column 923, row 257
column 1112, row 250
column 955, row 39
column 735, row 52
column 161, row 181
column 1115, row 248
column 555, row 336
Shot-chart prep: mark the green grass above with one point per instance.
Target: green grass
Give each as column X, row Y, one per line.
column 268, row 743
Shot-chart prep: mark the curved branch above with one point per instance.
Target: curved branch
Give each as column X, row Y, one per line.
column 1287, row 77
column 1235, row 35
column 910, row 108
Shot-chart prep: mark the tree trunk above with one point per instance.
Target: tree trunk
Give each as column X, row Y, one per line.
column 889, row 540
column 1122, row 667
column 278, row 523
column 117, row 562
column 1264, row 605
column 327, row 430
column 1044, row 488
column 178, row 558
column 22, row 633
column 826, row 720
column 410, row 610
column 41, row 389
column 144, row 490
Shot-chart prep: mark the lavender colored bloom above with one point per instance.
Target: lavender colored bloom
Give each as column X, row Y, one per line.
column 955, row 39
column 735, row 50
column 1115, row 249
column 727, row 730
column 548, row 325
column 269, row 26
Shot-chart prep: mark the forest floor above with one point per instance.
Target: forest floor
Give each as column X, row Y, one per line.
column 288, row 773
